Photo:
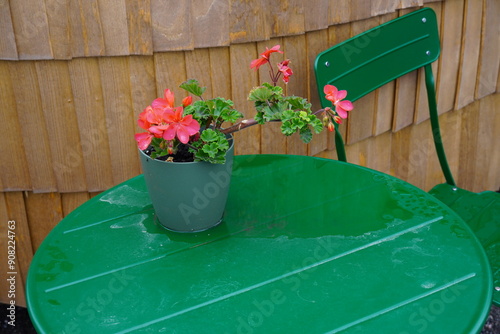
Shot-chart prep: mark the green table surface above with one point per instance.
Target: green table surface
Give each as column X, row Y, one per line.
column 307, row 245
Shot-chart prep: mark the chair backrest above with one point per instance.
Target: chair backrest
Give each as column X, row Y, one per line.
column 371, row 59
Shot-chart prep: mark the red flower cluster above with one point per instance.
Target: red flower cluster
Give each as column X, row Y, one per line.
column 341, row 106
column 162, row 120
column 283, row 68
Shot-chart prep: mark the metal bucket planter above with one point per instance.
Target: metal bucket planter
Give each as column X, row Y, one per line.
column 188, row 196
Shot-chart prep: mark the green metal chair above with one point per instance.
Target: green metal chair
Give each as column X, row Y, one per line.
column 370, row 60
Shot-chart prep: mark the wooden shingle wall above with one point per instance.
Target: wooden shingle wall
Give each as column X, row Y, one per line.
column 75, row 75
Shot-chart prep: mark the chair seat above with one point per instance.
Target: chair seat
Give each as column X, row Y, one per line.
column 481, row 211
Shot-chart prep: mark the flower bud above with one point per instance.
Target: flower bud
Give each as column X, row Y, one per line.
column 331, row 127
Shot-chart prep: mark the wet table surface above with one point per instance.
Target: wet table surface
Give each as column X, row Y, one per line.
column 307, row 245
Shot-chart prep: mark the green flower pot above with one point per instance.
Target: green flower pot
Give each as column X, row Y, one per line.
column 188, row 196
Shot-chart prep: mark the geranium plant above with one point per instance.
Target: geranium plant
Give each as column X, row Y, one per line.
column 195, row 131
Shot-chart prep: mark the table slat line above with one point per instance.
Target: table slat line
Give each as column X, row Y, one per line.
column 274, row 279
column 403, row 303
column 145, row 210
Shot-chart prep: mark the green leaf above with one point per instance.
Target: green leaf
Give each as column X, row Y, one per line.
column 260, row 94
column 306, row 135
column 209, row 135
column 192, row 86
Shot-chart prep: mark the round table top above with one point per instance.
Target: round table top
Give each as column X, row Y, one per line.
column 307, row 245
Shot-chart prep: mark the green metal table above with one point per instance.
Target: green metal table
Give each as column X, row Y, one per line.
column 307, row 245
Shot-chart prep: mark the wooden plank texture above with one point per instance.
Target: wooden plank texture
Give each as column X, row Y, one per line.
column 59, row 28
column 287, row 16
column 31, row 28
column 87, row 36
column 172, row 25
column 90, row 114
column 120, row 118
column 489, row 61
column 470, row 53
column 248, row 21
column 451, row 41
column 243, row 80
column 44, row 211
column 487, row 176
column 8, row 47
column 140, row 32
column 211, row 23
column 61, row 124
column 14, row 166
column 113, row 16
column 35, row 135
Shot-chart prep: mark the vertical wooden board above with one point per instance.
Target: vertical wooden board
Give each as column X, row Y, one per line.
column 220, row 72
column 380, row 7
column 420, row 149
column 489, row 61
column 31, row 29
column 449, row 60
column 316, row 15
column 87, row 36
column 211, row 23
column 339, row 12
column 77, row 43
column 404, row 101
column 115, row 78
column 143, row 85
column 421, row 103
column 89, row 108
column 450, row 124
column 170, row 71
column 360, row 9
column 14, row 166
column 34, row 133
column 380, row 159
column 467, row 75
column 198, row 67
column 242, row 81
column 59, row 28
column 248, row 21
column 140, row 31
column 400, row 153
column 410, row 3
column 62, row 126
column 384, row 97
column 43, row 211
column 71, row 201
column 272, row 140
column 487, row 176
column 468, row 146
column 172, row 25
column 316, row 42
column 8, row 47
column 294, row 48
column 24, row 251
column 113, row 16
column 287, row 16
column 360, row 124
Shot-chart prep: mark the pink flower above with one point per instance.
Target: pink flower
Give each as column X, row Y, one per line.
column 264, row 57
column 166, row 102
column 143, row 140
column 336, row 96
column 285, row 70
column 178, row 126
